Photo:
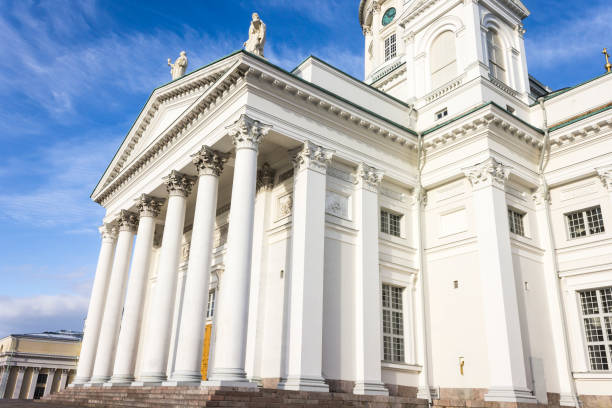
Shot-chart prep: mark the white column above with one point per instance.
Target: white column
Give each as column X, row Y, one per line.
column 559, row 341
column 161, row 311
column 63, row 379
column 605, row 174
column 4, row 375
column 265, row 183
column 18, row 382
column 230, row 341
column 129, row 336
column 109, row 331
column 419, row 201
column 507, row 369
column 33, row 382
column 49, row 384
column 305, row 349
column 367, row 285
column 96, row 304
column 188, row 362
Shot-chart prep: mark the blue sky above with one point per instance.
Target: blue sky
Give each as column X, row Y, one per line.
column 75, row 74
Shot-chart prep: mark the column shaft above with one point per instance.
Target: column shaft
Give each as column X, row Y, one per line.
column 305, row 351
column 193, row 319
column 158, row 333
column 129, row 336
column 63, row 379
column 4, row 375
column 367, row 285
column 18, row 382
column 49, row 383
column 230, row 342
column 96, row 305
column 33, row 382
column 508, row 372
column 105, row 355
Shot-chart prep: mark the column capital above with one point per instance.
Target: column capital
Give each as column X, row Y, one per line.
column 247, row 133
column 375, row 7
column 311, row 157
column 265, row 177
column 36, row 369
column 51, row 370
column 368, row 177
column 21, row 368
column 127, row 221
column 149, row 206
column 419, row 196
column 541, row 195
column 179, row 184
column 209, row 162
column 109, row 231
column 488, row 173
column 605, row 174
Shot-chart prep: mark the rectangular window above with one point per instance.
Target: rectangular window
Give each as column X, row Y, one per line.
column 390, row 47
column 393, row 323
column 516, row 222
column 210, row 310
column 390, row 223
column 585, row 222
column 597, row 319
column 442, row 114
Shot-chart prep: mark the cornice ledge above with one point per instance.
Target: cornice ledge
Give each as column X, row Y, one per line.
column 486, row 120
column 180, row 127
column 416, row 10
column 578, row 134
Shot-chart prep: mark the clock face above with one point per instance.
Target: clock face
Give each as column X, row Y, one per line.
column 388, row 16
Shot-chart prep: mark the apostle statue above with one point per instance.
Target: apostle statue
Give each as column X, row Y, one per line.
column 179, row 67
column 257, row 36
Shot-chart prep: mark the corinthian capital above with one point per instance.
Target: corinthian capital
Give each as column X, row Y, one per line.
column 265, row 177
column 247, row 133
column 605, row 174
column 109, row 231
column 419, row 196
column 489, row 173
column 542, row 195
column 209, row 162
column 179, row 184
column 368, row 178
column 311, row 157
column 127, row 220
column 149, row 206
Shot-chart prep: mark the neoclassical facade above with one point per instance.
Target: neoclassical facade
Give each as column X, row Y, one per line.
column 442, row 229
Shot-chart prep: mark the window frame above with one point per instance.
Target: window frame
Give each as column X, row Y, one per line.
column 211, row 304
column 605, row 325
column 494, row 64
column 388, row 229
column 441, row 114
column 586, row 223
column 512, row 214
column 390, row 48
column 396, row 314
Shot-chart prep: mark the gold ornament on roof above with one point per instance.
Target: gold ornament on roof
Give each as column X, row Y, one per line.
column 608, row 65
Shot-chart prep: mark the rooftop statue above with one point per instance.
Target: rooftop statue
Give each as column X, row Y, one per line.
column 257, row 36
column 179, row 67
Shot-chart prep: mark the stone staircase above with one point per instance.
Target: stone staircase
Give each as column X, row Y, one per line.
column 217, row 397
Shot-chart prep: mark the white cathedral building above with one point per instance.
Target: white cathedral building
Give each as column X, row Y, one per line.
column 442, row 229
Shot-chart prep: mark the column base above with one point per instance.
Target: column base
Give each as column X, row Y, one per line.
column 79, row 381
column 146, row 383
column 250, row 386
column 92, row 384
column 424, row 393
column 99, row 380
column 569, row 400
column 505, row 394
column 122, row 379
column 180, row 383
column 185, row 377
column 363, row 388
column 304, row 384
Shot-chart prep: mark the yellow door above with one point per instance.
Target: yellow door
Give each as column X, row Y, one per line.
column 206, row 351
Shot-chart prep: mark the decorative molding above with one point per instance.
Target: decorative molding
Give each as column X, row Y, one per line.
column 605, row 174
column 209, row 162
column 284, row 206
column 419, row 196
column 578, row 135
column 109, row 231
column 487, row 174
column 336, row 205
column 340, row 174
column 247, row 133
column 368, row 177
column 127, row 221
column 444, row 89
column 179, row 184
column 504, row 87
column 385, row 70
column 311, row 157
column 149, row 206
column 541, row 195
column 220, row 235
column 265, row 177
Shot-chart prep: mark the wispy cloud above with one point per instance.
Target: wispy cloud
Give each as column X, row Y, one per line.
column 321, row 11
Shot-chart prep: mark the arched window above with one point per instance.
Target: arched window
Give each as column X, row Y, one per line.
column 443, row 61
column 497, row 66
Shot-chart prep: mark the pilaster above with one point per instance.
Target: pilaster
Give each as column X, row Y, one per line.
column 33, row 382
column 49, row 384
column 507, row 370
column 4, row 375
column 605, row 174
column 18, row 382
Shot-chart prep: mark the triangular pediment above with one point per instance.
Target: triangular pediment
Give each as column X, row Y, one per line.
column 163, row 108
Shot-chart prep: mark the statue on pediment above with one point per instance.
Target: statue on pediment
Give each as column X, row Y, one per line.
column 179, row 67
column 257, row 36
